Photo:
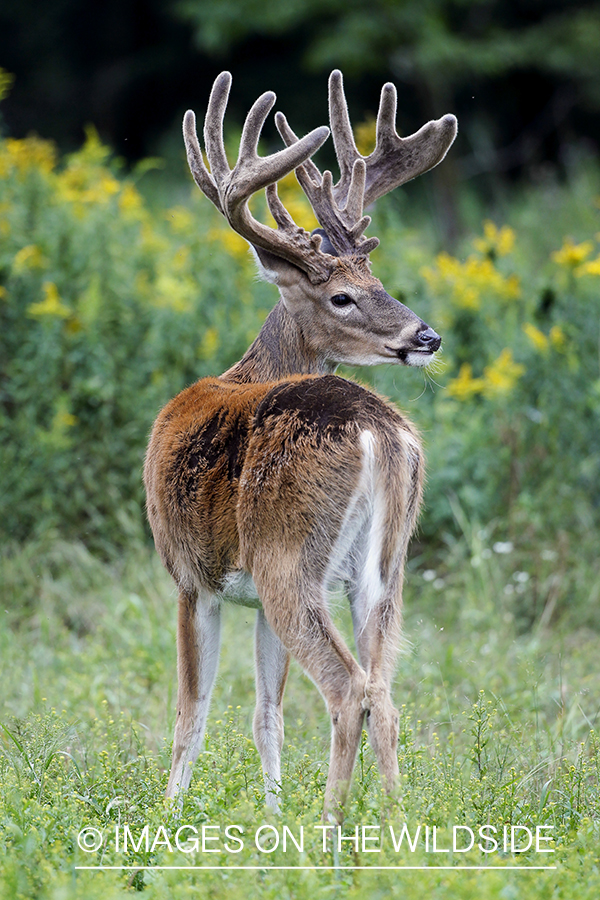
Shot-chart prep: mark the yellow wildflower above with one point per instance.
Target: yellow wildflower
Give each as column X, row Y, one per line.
column 468, row 282
column 501, row 376
column 5, row 209
column 467, row 298
column 365, row 135
column 86, row 181
column 181, row 258
column 3, row 292
column 85, row 187
column 536, row 337
column 63, row 420
column 464, row 386
column 51, row 305
column 180, row 219
column 29, row 257
column 495, row 241
column 299, row 209
column 130, row 201
column 174, row 293
column 209, row 344
column 152, row 241
column 557, row 337
column 571, row 255
column 142, row 285
column 294, row 199
column 589, row 268
column 93, row 152
column 26, row 154
column 505, row 240
column 235, row 245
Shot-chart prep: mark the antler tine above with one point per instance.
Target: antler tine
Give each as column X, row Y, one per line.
column 213, row 128
column 341, row 132
column 202, row 176
column 356, row 191
column 386, row 116
column 289, row 137
column 255, row 120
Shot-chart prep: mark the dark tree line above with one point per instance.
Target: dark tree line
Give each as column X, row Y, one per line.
column 523, row 76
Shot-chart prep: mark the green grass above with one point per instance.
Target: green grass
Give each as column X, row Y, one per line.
column 496, row 728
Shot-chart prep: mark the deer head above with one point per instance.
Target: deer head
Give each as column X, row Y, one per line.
column 336, row 310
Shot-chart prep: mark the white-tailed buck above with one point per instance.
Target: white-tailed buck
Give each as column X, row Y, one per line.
column 269, row 483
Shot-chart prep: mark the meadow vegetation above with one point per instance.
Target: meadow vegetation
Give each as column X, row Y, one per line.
column 108, row 306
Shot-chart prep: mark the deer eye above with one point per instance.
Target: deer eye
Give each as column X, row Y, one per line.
column 342, row 300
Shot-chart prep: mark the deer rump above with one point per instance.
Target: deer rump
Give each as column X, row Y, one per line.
column 258, row 479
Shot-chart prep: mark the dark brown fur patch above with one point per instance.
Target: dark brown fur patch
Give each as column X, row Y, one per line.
column 219, row 442
column 324, row 410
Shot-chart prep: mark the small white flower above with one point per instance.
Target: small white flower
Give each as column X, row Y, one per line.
column 535, row 415
column 509, row 589
column 429, row 575
column 439, row 583
column 503, row 547
column 521, row 577
column 549, row 555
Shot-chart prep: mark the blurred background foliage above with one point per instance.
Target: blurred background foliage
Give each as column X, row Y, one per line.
column 523, row 76
column 119, row 283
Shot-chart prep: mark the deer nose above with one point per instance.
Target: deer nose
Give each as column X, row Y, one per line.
column 429, row 339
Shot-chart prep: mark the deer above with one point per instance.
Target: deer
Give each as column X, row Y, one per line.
column 278, row 479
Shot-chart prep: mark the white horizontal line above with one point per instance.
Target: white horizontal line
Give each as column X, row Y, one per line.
column 318, row 868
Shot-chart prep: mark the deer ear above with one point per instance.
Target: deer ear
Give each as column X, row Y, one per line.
column 275, row 269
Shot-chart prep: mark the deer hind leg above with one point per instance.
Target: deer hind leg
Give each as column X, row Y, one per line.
column 272, row 664
column 376, row 607
column 301, row 620
column 375, row 591
column 377, row 636
column 198, row 637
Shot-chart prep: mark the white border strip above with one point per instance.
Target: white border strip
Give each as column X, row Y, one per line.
column 315, row 868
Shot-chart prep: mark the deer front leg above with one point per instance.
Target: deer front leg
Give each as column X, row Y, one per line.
column 198, row 638
column 272, row 666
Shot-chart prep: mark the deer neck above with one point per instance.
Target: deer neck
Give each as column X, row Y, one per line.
column 280, row 350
